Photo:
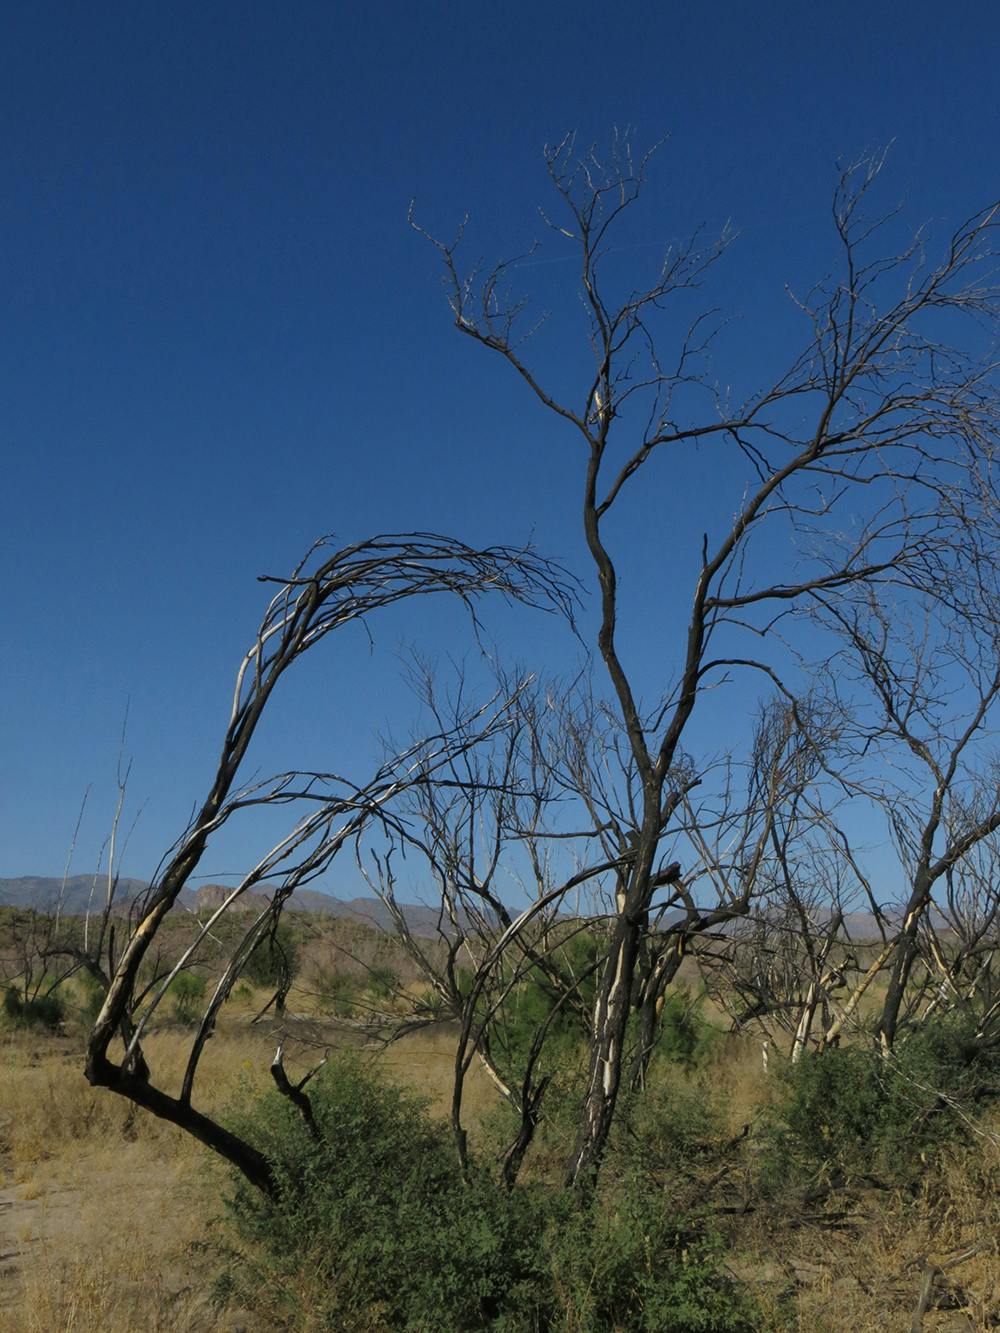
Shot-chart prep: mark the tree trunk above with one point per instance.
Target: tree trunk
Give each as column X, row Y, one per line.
column 611, row 1014
column 664, row 970
column 802, row 1032
column 906, row 952
column 253, row 1165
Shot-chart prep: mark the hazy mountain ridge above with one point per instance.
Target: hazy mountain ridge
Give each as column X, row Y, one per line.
column 43, row 893
column 80, row 892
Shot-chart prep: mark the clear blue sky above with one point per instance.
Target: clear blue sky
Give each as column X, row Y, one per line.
column 220, row 339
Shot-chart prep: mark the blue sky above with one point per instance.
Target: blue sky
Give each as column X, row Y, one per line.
column 221, row 339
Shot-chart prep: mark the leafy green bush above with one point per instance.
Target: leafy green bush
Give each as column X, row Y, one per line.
column 40, row 1011
column 685, row 1036
column 187, row 990
column 378, row 1211
column 339, row 993
column 274, row 960
column 533, row 1002
column 854, row 1110
column 660, row 1130
column 628, row 1263
column 373, row 1226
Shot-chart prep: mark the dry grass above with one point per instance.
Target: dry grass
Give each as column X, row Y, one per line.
column 112, row 1214
column 109, row 1245
column 105, row 1204
column 864, row 1272
column 107, row 1215
column 957, row 1208
column 46, row 1103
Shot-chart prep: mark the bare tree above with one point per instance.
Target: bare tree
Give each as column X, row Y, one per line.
column 29, row 971
column 47, row 949
column 959, row 941
column 781, row 963
column 879, row 429
column 485, row 829
column 867, row 463
column 917, row 680
column 325, row 593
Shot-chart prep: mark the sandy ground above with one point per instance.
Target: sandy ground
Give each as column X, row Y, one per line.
column 109, row 1219
column 112, row 1241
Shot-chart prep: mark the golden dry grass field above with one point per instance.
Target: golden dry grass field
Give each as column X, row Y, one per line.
column 111, row 1220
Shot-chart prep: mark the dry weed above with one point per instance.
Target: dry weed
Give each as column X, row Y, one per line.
column 109, row 1208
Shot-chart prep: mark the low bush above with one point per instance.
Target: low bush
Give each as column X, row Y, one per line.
column 378, row 1212
column 373, row 1226
column 274, row 960
column 664, row 1128
column 629, row 1263
column 46, row 1011
column 337, row 993
column 187, row 990
column 856, row 1111
column 92, row 995
column 686, row 1038
column 383, row 982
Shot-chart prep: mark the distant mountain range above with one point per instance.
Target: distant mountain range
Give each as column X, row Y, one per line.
column 43, row 893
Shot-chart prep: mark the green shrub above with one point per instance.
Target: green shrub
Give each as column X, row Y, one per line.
column 628, row 1263
column 431, row 1006
column 339, row 994
column 382, row 982
column 373, row 1226
column 92, row 998
column 274, row 960
column 379, row 1212
column 852, row 1109
column 187, row 990
column 533, row 1002
column 685, row 1037
column 555, row 1133
column 661, row 1129
column 46, row 1011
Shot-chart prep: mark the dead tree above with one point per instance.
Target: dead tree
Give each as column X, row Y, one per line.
column 959, row 942
column 916, row 674
column 484, row 830
column 325, row 593
column 42, row 950
column 778, row 965
column 877, row 428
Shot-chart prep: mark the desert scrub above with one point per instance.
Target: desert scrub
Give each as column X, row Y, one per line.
column 274, row 961
column 686, row 1037
column 664, row 1129
column 45, row 1011
column 187, row 991
column 627, row 1262
column 852, row 1110
column 660, row 1131
column 377, row 1212
column 373, row 1226
column 338, row 994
